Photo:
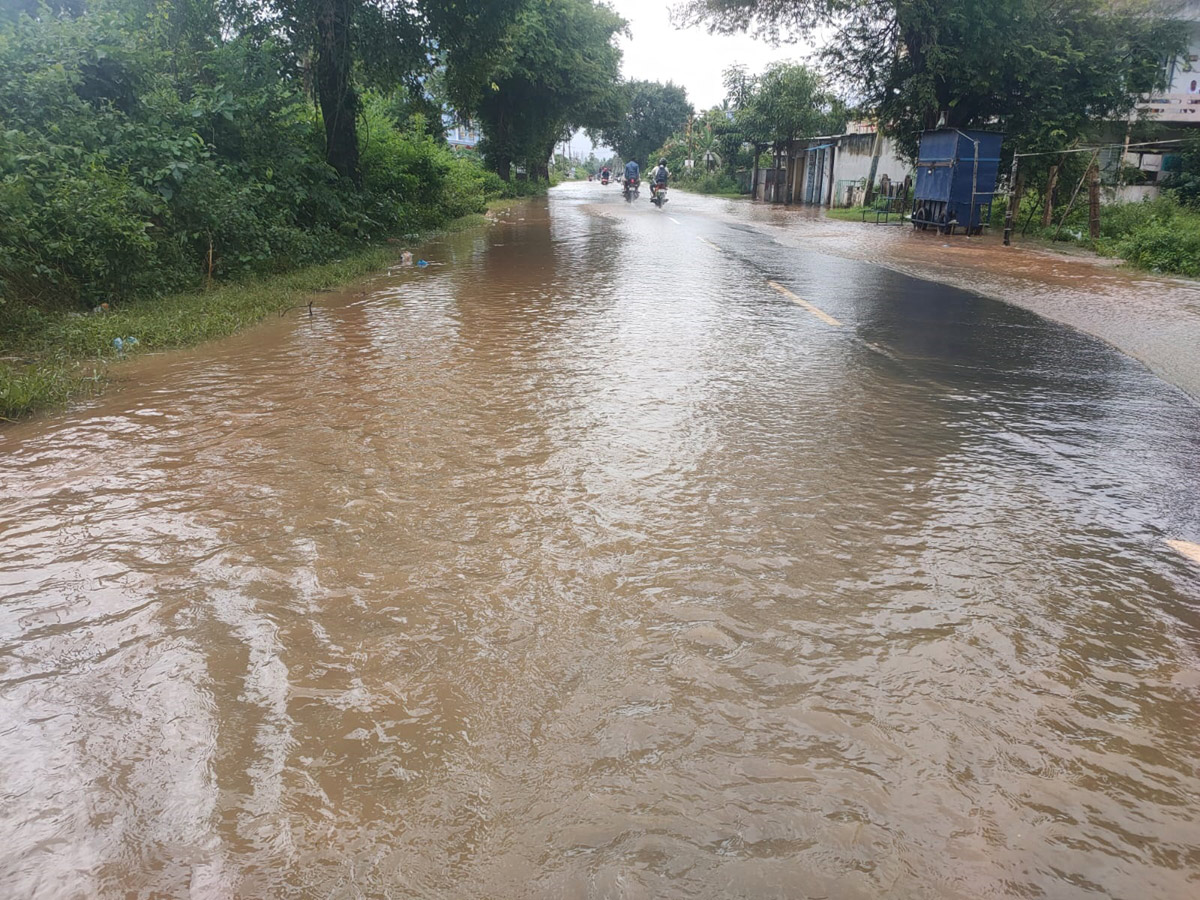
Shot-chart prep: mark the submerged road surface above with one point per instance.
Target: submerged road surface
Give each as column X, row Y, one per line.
column 618, row 554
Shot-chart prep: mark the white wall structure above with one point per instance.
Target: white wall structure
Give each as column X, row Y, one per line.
column 833, row 171
column 1179, row 104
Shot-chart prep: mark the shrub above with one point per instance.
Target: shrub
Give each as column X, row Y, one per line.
column 128, row 170
column 1163, row 246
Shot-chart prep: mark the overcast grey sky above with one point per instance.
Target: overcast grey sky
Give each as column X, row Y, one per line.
column 659, row 52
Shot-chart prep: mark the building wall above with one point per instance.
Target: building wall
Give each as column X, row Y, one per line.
column 1179, row 104
column 845, row 170
column 459, row 134
column 854, row 159
column 1186, row 68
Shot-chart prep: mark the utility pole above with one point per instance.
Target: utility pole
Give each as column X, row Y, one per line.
column 876, row 153
column 691, row 152
column 1016, row 187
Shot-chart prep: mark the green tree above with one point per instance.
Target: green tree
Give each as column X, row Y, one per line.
column 149, row 146
column 652, row 112
column 556, row 74
column 1044, row 71
column 1184, row 177
column 384, row 41
column 788, row 102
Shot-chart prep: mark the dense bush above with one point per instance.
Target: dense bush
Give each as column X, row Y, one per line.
column 129, row 167
column 1184, row 175
column 709, row 183
column 1160, row 235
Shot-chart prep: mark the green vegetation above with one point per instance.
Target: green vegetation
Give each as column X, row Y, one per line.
column 556, row 75
column 50, row 356
column 786, row 103
column 132, row 167
column 1042, row 72
column 192, row 165
column 1161, row 235
column 852, row 214
column 152, row 151
column 649, row 112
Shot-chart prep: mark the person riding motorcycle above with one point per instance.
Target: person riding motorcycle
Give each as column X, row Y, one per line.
column 660, row 177
column 605, row 174
column 633, row 178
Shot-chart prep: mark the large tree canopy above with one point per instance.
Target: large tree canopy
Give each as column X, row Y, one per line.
column 1042, row 70
column 787, row 102
column 383, row 41
column 555, row 72
column 652, row 112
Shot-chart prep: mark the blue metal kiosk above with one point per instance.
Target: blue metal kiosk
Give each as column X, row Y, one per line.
column 957, row 173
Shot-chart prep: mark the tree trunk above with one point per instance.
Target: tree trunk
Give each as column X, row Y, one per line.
column 335, row 90
column 1048, row 209
column 1094, row 197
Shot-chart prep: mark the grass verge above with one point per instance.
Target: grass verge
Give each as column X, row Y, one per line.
column 48, row 358
column 852, row 214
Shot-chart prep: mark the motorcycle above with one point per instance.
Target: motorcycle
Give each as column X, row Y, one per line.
column 631, row 189
column 604, row 180
column 658, row 194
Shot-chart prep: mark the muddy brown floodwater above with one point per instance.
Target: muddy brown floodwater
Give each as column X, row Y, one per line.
column 586, row 564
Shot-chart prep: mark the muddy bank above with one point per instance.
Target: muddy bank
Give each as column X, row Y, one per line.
column 1155, row 319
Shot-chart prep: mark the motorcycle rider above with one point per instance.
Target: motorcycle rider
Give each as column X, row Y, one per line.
column 632, row 173
column 660, row 176
column 605, row 174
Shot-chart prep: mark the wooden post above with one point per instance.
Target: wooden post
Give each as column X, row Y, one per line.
column 1094, row 197
column 790, row 182
column 1075, row 196
column 832, row 169
column 1016, row 187
column 1048, row 209
column 775, row 165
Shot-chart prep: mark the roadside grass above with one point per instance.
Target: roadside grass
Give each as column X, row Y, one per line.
column 501, row 204
column 50, row 357
column 850, row 214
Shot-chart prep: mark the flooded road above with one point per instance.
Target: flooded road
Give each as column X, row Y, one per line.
column 592, row 562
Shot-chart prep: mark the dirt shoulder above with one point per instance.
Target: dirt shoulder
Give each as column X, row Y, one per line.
column 1155, row 319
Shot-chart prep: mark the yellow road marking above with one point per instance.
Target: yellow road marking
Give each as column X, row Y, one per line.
column 804, row 304
column 1191, row 551
column 711, row 244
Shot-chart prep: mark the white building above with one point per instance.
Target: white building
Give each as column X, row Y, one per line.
column 459, row 134
column 1179, row 104
column 834, row 170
